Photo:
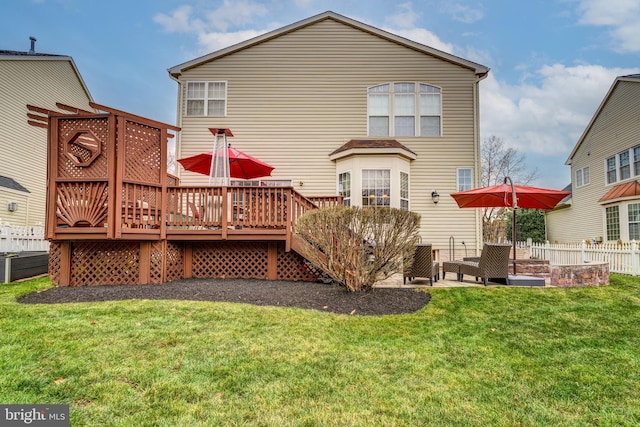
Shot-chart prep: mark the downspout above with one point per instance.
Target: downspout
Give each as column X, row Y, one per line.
column 178, row 122
column 476, row 158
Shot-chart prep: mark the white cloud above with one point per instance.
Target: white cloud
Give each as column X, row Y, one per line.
column 177, row 21
column 213, row 41
column 463, row 13
column 621, row 16
column 405, row 18
column 549, row 116
column 235, row 13
column 422, row 36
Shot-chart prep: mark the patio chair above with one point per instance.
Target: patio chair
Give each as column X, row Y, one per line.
column 422, row 265
column 493, row 263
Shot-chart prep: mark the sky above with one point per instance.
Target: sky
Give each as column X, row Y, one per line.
column 552, row 61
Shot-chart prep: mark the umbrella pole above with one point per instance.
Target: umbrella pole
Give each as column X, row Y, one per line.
column 513, row 239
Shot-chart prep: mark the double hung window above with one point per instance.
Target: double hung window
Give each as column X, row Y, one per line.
column 207, row 99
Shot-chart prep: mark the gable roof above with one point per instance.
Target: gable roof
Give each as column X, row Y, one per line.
column 634, row 78
column 480, row 70
column 14, row 55
column 7, row 182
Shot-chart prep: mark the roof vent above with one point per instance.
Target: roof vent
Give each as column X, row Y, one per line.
column 32, row 51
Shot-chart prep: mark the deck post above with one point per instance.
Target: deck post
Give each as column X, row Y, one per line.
column 272, row 261
column 188, row 261
column 64, row 278
column 144, row 267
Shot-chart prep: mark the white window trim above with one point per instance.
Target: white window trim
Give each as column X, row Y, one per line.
column 408, row 199
column 350, row 172
column 581, row 173
column 390, row 170
column 416, row 115
column 458, row 177
column 206, row 99
column 632, row 172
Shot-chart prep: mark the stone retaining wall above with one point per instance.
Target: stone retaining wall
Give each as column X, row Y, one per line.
column 587, row 274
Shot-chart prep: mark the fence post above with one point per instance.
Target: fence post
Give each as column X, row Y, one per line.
column 634, row 258
column 583, row 248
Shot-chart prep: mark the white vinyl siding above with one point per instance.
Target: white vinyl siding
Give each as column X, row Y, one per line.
column 294, row 99
column 41, row 82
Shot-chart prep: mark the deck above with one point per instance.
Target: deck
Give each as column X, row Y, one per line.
column 115, row 216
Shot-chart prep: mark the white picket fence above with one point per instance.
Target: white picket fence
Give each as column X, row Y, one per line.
column 21, row 239
column 623, row 257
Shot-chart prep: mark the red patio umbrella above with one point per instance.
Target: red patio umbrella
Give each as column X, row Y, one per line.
column 503, row 195
column 241, row 165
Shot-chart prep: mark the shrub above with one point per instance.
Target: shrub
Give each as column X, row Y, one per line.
column 358, row 246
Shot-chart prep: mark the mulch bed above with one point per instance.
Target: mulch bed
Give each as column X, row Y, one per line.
column 316, row 296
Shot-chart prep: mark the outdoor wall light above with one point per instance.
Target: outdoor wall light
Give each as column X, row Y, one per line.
column 435, row 197
column 12, row 206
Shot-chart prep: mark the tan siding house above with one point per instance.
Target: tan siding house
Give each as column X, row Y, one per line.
column 295, row 96
column 605, row 169
column 40, row 80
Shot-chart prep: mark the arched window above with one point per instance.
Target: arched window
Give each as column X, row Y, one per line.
column 404, row 109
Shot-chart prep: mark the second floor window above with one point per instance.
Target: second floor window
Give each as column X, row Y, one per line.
column 207, row 99
column 623, row 166
column 582, row 177
column 404, row 109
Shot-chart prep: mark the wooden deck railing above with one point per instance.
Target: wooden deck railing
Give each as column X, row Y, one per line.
column 142, row 211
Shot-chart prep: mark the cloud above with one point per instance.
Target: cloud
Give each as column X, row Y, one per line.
column 463, row 13
column 213, row 31
column 405, row 18
column 621, row 16
column 550, row 115
column 177, row 21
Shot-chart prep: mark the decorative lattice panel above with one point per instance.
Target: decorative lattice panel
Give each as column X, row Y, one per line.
column 155, row 270
column 105, row 263
column 230, row 260
column 82, row 203
column 54, row 262
column 292, row 266
column 142, row 149
column 79, row 139
column 174, row 262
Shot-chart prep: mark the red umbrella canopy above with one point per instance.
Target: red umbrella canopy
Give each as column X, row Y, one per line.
column 501, row 196
column 241, row 165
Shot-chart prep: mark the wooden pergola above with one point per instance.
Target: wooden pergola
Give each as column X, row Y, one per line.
column 115, row 216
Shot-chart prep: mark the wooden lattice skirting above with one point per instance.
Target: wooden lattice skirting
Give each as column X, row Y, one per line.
column 89, row 263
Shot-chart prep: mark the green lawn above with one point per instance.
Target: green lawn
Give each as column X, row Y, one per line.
column 473, row 356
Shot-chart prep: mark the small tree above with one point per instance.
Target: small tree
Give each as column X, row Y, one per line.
column 358, row 246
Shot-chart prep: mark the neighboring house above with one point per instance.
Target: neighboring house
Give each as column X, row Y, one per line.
column 341, row 107
column 605, row 172
column 41, row 80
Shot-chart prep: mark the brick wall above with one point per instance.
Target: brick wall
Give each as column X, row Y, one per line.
column 588, row 274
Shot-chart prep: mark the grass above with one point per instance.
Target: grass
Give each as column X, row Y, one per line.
column 472, row 357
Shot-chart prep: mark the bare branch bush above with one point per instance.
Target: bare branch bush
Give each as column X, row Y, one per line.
column 358, row 246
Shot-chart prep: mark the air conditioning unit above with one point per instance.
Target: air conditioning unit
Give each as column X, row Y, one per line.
column 12, row 206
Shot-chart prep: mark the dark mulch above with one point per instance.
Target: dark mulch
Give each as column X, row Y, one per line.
column 316, row 296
